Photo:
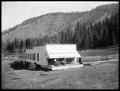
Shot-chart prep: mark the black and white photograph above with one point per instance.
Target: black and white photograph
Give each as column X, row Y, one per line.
column 60, row 45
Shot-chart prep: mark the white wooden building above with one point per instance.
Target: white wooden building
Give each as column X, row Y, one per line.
column 58, row 56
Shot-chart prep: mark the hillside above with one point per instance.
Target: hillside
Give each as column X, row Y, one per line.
column 53, row 23
column 40, row 26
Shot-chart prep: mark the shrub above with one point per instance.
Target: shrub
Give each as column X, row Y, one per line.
column 19, row 65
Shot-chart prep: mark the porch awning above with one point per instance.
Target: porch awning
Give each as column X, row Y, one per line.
column 64, row 55
column 62, row 51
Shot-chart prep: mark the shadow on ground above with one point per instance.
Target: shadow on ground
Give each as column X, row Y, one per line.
column 20, row 65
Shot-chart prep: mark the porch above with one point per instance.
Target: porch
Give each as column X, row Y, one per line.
column 66, row 66
column 64, row 63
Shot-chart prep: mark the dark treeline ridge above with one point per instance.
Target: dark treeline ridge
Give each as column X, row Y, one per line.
column 98, row 35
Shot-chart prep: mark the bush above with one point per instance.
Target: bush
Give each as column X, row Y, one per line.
column 19, row 65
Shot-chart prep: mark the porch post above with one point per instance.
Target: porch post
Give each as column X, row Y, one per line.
column 55, row 60
column 65, row 60
column 75, row 60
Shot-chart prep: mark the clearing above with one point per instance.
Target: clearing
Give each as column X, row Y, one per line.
column 99, row 76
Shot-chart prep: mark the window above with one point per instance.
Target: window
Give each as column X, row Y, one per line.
column 30, row 56
column 26, row 56
column 37, row 56
column 34, row 56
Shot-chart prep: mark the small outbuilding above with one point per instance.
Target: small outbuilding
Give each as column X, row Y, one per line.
column 58, row 56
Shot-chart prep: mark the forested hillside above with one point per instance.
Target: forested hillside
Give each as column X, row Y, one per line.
column 91, row 29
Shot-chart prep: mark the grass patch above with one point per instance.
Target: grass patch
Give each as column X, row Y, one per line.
column 99, row 58
column 88, row 64
column 15, row 78
column 100, row 52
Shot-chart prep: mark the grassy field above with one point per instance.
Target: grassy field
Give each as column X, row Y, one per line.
column 102, row 76
column 100, row 52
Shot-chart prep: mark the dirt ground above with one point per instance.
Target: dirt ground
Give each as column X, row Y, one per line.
column 101, row 76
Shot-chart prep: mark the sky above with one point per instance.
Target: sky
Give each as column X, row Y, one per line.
column 16, row 12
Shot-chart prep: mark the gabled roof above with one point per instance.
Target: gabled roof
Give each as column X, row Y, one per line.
column 62, row 51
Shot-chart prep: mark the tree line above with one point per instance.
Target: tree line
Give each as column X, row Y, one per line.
column 100, row 34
